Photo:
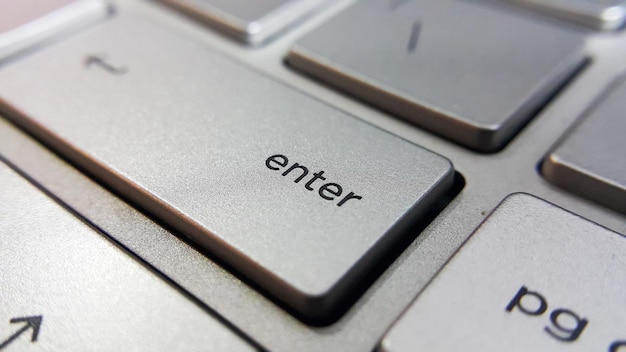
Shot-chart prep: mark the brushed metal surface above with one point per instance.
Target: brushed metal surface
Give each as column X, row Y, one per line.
column 590, row 160
column 489, row 178
column 252, row 22
column 220, row 169
column 476, row 81
column 89, row 294
column 533, row 277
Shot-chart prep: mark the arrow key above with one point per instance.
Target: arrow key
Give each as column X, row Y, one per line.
column 91, row 295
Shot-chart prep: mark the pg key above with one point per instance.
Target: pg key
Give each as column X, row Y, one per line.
column 533, row 277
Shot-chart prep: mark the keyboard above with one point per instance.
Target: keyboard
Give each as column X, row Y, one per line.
column 306, row 175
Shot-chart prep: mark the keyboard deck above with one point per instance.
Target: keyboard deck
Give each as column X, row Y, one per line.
column 241, row 299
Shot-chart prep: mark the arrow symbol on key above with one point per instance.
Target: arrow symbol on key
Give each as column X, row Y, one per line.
column 31, row 322
column 101, row 62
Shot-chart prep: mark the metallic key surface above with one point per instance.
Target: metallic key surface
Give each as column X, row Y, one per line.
column 597, row 14
column 298, row 196
column 66, row 288
column 24, row 23
column 476, row 81
column 533, row 277
column 591, row 158
column 252, row 22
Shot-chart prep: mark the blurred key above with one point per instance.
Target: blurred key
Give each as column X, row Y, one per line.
column 465, row 69
column 251, row 22
column 591, row 159
column 24, row 23
column 603, row 15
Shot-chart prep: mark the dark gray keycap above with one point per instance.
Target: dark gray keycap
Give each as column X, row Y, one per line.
column 464, row 69
column 252, row 22
column 300, row 197
column 24, row 23
column 597, row 14
column 75, row 291
column 591, row 159
column 533, row 277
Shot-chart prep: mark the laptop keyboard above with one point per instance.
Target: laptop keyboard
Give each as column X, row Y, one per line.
column 299, row 171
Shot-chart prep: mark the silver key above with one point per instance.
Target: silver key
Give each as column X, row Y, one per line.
column 300, row 197
column 24, row 23
column 603, row 15
column 591, row 159
column 252, row 22
column 532, row 277
column 462, row 69
column 75, row 291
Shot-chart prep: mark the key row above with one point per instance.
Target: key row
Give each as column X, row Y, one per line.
column 259, row 21
column 461, row 79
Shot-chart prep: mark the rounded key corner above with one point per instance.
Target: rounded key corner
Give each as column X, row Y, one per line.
column 318, row 308
column 515, row 198
column 450, row 176
column 519, row 195
column 613, row 17
column 552, row 167
column 254, row 34
column 487, row 138
column 384, row 345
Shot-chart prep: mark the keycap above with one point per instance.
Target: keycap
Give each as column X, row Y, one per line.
column 590, row 160
column 24, row 23
column 533, row 277
column 606, row 15
column 251, row 22
column 67, row 288
column 476, row 81
column 299, row 197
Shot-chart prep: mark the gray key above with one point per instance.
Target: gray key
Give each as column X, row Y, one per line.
column 75, row 291
column 591, row 159
column 533, row 277
column 252, row 22
column 24, row 23
column 300, row 197
column 603, row 15
column 462, row 69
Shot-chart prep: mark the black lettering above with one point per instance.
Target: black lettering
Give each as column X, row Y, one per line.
column 273, row 159
column 521, row 294
column 564, row 333
column 305, row 172
column 328, row 191
column 618, row 346
column 349, row 196
column 327, row 188
column 316, row 176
